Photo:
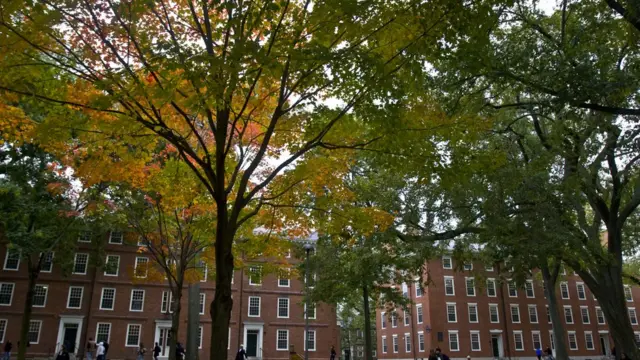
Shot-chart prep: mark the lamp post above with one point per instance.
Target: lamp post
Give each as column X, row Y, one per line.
column 307, row 249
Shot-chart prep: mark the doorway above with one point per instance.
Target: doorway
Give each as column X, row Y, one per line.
column 253, row 340
column 604, row 344
column 163, row 338
column 496, row 346
column 69, row 333
column 69, row 337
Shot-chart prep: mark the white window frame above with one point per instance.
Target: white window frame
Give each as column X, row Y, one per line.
column 582, row 315
column 419, row 290
column 249, row 306
column 407, row 317
column 488, row 268
column 564, row 314
column 395, row 344
column 135, row 269
column 278, row 307
column 515, row 342
column 564, row 284
column 39, row 322
column 495, row 289
column 383, row 323
column 315, row 312
column 455, row 312
column 200, row 336
column 407, row 342
column 575, row 337
column 385, row 348
column 633, row 319
column 471, row 333
column 450, row 262
column 251, row 270
column 126, row 339
column 98, row 328
column 106, row 263
column 604, row 319
column 80, row 237
column 419, row 314
column 584, row 291
column 457, row 334
column 278, row 348
column 586, row 343
column 630, row 297
column 6, row 259
column 111, row 237
column 467, row 266
column 453, row 286
column 466, row 285
column 81, row 296
column 526, row 290
column 510, row 284
column 102, row 299
column 75, row 261
column 548, row 314
column 315, row 340
column 497, row 313
column 50, row 269
column 131, row 300
column 4, row 324
column 288, row 279
column 475, row 306
column 517, row 307
column 394, row 320
column 533, row 338
column 46, row 295
column 421, row 347
column 535, row 308
column 203, row 303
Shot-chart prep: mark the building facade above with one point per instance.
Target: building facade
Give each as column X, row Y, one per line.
column 114, row 303
column 494, row 319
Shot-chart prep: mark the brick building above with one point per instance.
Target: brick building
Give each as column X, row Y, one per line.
column 495, row 320
column 109, row 304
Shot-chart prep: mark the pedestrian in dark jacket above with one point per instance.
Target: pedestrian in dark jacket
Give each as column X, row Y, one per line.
column 333, row 353
column 7, row 350
column 241, row 355
column 156, row 351
column 179, row 351
column 441, row 355
column 63, row 354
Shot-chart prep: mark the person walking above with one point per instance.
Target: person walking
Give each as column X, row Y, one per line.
column 141, row 352
column 241, row 355
column 156, row 351
column 549, row 354
column 7, row 350
column 63, row 354
column 539, row 353
column 100, row 351
column 106, row 349
column 333, row 353
column 180, row 351
column 441, row 355
column 91, row 348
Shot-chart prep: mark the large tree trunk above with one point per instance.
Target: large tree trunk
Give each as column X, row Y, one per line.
column 28, row 308
column 222, row 303
column 559, row 336
column 368, row 351
column 175, row 321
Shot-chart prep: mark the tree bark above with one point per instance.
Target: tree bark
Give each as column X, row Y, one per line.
column 34, row 271
column 222, row 303
column 368, row 351
column 175, row 320
column 559, row 336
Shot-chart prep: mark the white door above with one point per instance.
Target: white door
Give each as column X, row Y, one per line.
column 163, row 338
column 253, row 341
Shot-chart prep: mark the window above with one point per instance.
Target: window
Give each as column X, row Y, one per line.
column 536, row 339
column 311, row 313
column 420, row 341
column 33, row 336
column 518, row 341
column 548, row 314
column 515, row 314
column 628, row 294
column 112, row 265
column 84, row 236
column 533, row 314
column 40, row 295
column 418, row 287
column 74, row 300
column 454, row 344
column 311, row 340
column 632, row 316
column 383, row 321
column 141, row 267
column 12, row 260
column 103, row 332
column 636, row 336
column 473, row 313
column 203, row 304
column 203, row 270
column 468, row 266
column 394, row 320
column 447, row 263
column 80, row 264
column 419, row 314
column 552, row 340
column 452, row 316
column 488, row 268
column 573, row 342
column 528, row 287
column 407, row 342
column 384, row 345
column 493, row 313
column 254, row 306
column 47, row 262
column 588, row 340
column 513, row 291
column 584, row 314
column 282, row 340
column 475, row 340
column 133, row 334
column 448, row 286
column 491, row 287
column 108, row 299
column 200, row 331
column 396, row 348
column 3, row 329
column 6, row 293
column 283, row 308
column 255, row 275
column 115, row 237
column 167, row 302
column 582, row 295
column 471, row 287
column 564, row 290
column 405, row 290
column 284, row 279
column 407, row 318
column 137, row 300
column 600, row 316
column 568, row 314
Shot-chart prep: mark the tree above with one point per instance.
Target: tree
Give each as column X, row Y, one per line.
column 39, row 216
column 227, row 84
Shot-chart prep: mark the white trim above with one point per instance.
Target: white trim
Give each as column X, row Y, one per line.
column 46, row 295
column 457, row 339
column 81, row 296
column 407, row 342
column 288, row 279
column 564, row 313
column 70, row 319
column 533, row 290
column 453, row 286
column 39, row 322
column 588, row 315
column 113, row 302
column 533, row 333
column 13, row 289
column 586, row 343
column 466, row 285
column 278, row 348
column 278, row 307
column 515, row 306
column 203, row 301
column 515, row 289
column 497, row 313
column 535, row 307
column 383, row 323
column 584, row 291
column 135, row 269
column 394, row 343
column 315, row 312
column 450, row 262
column 131, row 300
column 201, row 333
column 467, row 266
column 575, row 336
column 51, row 268
column 423, row 348
column 635, row 315
column 495, row 289
column 84, row 233
column 106, row 263
column 259, row 269
column 564, row 283
column 474, row 305
column 384, row 344
column 6, row 259
column 4, row 329
column 455, row 312
column 418, row 320
column 471, row 333
column 249, row 306
column 515, row 343
column 126, row 338
column 111, row 237
column 98, row 327
column 627, row 287
column 75, row 261
column 259, row 342
column 599, row 310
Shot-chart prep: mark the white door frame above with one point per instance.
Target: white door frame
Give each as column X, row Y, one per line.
column 69, row 319
column 165, row 324
column 498, row 335
column 258, row 327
